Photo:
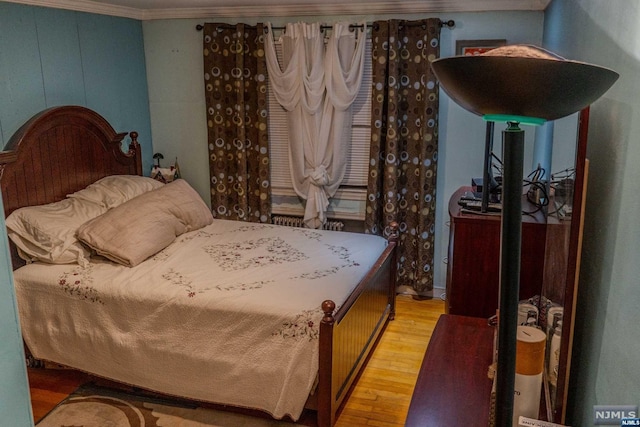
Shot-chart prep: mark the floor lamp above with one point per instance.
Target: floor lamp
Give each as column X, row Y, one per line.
column 518, row 84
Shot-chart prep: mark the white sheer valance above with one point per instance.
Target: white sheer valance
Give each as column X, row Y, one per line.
column 317, row 85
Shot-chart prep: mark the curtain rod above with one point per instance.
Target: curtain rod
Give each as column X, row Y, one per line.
column 449, row 24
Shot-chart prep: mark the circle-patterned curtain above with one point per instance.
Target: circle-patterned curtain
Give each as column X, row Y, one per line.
column 404, row 143
column 236, row 99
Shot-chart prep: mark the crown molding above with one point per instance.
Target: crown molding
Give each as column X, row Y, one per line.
column 87, row 6
column 227, row 8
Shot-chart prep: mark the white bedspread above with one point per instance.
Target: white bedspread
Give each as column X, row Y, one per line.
column 229, row 313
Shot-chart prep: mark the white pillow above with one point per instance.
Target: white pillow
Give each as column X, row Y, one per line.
column 47, row 233
column 114, row 190
column 143, row 226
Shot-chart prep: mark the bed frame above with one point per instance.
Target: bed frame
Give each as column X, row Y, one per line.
column 63, row 149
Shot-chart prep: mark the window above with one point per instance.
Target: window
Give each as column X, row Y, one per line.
column 349, row 201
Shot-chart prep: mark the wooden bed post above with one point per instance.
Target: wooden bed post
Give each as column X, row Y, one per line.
column 326, row 410
column 394, row 236
column 134, row 151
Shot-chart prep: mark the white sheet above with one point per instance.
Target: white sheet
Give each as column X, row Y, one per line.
column 228, row 314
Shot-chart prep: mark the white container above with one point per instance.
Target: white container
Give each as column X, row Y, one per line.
column 530, row 357
column 527, row 311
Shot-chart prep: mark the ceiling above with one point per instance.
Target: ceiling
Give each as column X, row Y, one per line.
column 171, row 9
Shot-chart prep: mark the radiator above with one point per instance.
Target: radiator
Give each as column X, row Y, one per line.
column 297, row 221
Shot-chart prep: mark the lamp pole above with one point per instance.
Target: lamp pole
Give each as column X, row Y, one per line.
column 510, row 250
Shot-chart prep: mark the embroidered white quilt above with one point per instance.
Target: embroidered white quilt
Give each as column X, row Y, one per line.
column 229, row 313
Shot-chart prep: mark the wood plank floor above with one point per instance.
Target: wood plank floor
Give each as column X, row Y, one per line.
column 381, row 397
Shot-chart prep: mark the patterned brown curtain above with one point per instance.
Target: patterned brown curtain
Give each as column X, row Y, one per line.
column 236, row 100
column 404, row 143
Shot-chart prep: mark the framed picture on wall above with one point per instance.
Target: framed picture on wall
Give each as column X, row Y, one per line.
column 476, row 47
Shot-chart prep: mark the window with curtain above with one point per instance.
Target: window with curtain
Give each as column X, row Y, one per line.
column 348, row 203
column 394, row 127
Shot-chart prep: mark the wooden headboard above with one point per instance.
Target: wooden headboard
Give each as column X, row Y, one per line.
column 59, row 151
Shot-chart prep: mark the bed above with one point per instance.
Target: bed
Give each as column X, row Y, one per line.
column 185, row 318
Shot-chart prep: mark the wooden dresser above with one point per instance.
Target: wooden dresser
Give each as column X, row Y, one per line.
column 473, row 267
column 453, row 388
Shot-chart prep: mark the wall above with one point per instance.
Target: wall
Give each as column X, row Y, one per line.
column 15, row 403
column 607, row 338
column 51, row 57
column 173, row 50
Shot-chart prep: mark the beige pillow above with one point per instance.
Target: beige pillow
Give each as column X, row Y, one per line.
column 114, row 190
column 137, row 229
column 47, row 233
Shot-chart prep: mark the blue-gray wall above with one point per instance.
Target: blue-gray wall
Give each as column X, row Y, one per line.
column 51, row 57
column 606, row 362
column 15, row 404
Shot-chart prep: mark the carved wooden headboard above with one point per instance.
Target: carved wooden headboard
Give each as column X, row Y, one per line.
column 59, row 151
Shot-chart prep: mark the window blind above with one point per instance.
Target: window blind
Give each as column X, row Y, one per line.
column 357, row 166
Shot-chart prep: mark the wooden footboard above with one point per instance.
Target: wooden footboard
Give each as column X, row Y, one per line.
column 348, row 336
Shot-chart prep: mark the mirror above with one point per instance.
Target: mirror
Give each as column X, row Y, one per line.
column 564, row 217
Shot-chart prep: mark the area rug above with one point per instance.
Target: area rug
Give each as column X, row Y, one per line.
column 95, row 406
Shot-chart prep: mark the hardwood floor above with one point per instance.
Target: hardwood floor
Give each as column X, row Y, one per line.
column 51, row 386
column 381, row 397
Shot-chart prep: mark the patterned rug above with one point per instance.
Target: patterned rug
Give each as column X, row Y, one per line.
column 94, row 406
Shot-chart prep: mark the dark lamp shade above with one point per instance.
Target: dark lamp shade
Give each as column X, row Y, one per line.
column 533, row 87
